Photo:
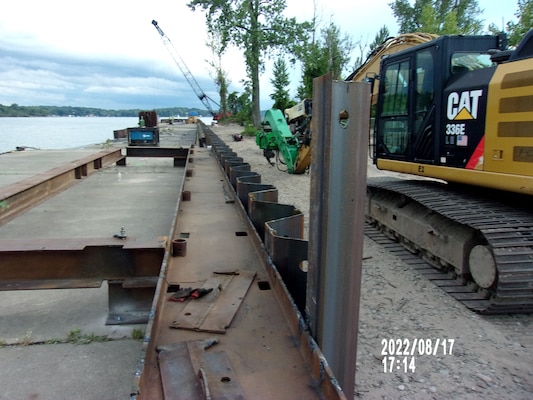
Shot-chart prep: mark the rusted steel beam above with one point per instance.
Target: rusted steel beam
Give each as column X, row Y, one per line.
column 38, row 264
column 341, row 114
column 131, row 268
column 20, row 196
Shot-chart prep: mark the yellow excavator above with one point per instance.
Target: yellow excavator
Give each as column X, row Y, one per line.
column 458, row 110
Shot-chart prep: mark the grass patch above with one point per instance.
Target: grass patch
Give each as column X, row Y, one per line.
column 76, row 337
column 249, row 130
column 137, row 334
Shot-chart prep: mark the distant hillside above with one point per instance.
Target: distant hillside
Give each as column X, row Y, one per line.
column 14, row 110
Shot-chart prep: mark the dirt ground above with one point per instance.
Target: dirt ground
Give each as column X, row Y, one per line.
column 491, row 357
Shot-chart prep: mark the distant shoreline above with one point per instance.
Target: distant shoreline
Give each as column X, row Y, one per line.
column 15, row 110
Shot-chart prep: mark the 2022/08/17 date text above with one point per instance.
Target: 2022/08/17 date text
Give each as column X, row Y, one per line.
column 400, row 354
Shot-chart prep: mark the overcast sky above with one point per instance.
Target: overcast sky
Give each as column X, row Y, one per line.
column 107, row 54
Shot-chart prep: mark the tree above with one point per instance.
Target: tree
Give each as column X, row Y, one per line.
column 240, row 107
column 280, row 82
column 363, row 47
column 258, row 28
column 329, row 54
column 517, row 30
column 442, row 17
column 382, row 35
column 221, row 79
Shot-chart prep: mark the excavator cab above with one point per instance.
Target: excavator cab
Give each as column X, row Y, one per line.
column 423, row 90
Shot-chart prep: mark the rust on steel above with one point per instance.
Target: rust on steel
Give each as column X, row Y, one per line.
column 36, row 264
column 341, row 114
column 20, row 196
column 262, row 337
column 130, row 267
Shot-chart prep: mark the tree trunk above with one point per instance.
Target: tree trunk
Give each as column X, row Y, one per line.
column 256, row 103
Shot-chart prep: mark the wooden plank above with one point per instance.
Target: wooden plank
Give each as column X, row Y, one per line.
column 215, row 311
column 178, row 378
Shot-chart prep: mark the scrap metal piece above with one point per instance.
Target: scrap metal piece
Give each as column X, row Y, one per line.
column 215, row 313
column 180, row 382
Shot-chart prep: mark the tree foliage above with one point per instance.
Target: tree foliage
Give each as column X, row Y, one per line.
column 330, row 53
column 240, row 106
column 442, row 17
column 221, row 77
column 280, row 82
column 382, row 35
column 258, row 28
column 365, row 50
column 517, row 30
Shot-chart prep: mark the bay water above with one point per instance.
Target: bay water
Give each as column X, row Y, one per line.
column 59, row 132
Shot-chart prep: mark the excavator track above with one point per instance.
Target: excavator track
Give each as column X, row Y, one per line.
column 502, row 231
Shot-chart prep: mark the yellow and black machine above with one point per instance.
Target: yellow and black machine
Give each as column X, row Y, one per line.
column 459, row 110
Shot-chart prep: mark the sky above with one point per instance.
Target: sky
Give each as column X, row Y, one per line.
column 107, row 54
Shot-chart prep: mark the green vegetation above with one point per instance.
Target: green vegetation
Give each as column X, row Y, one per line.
column 517, row 30
column 324, row 53
column 258, row 30
column 137, row 334
column 280, row 82
column 256, row 27
column 442, row 17
column 76, row 337
column 14, row 110
column 261, row 32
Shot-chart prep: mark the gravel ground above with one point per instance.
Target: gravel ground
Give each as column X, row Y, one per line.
column 491, row 356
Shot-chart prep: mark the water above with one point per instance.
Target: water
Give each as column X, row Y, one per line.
column 59, row 132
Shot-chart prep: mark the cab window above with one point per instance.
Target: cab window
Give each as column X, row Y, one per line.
column 462, row 62
column 395, row 108
column 396, row 89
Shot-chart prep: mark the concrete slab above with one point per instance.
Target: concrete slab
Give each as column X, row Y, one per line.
column 96, row 371
column 47, row 315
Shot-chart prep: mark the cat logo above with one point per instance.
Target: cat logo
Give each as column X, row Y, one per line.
column 464, row 105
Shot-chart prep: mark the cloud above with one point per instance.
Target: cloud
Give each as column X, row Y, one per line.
column 51, row 78
column 107, row 54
